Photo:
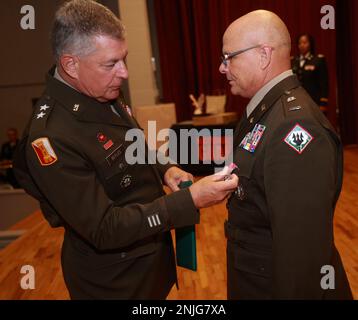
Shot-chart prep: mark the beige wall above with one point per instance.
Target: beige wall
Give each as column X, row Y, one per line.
column 142, row 85
column 26, row 56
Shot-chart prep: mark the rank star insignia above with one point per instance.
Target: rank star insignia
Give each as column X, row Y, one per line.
column 298, row 138
column 44, row 107
column 40, row 115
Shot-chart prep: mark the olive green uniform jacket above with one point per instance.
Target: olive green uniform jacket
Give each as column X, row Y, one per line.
column 280, row 222
column 117, row 243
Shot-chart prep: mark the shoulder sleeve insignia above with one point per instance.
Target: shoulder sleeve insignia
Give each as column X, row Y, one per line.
column 44, row 151
column 298, row 138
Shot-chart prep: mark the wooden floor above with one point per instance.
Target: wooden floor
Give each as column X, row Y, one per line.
column 40, row 247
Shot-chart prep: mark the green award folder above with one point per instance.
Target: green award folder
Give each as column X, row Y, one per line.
column 186, row 242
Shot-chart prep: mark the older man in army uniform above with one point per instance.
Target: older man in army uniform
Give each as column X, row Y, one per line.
column 117, row 243
column 280, row 223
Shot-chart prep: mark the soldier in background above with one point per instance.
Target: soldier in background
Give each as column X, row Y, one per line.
column 311, row 70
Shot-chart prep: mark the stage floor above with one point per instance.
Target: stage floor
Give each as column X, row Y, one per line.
column 40, row 248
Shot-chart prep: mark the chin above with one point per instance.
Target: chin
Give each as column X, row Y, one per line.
column 241, row 93
column 113, row 95
column 235, row 91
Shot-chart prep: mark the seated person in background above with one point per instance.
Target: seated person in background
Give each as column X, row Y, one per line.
column 7, row 152
column 311, row 70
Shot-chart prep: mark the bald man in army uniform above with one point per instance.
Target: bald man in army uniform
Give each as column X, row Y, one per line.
column 73, row 159
column 279, row 232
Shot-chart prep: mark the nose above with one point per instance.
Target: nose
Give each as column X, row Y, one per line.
column 222, row 68
column 122, row 71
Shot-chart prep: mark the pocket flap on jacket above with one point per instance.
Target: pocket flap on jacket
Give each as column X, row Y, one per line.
column 252, row 262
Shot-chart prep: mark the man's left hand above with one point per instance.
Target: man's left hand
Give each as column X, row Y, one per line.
column 173, row 176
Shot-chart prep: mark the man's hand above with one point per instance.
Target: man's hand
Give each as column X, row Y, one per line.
column 173, row 176
column 213, row 189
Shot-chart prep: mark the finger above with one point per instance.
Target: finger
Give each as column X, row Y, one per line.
column 225, row 171
column 227, row 185
column 174, row 186
column 186, row 176
column 217, row 177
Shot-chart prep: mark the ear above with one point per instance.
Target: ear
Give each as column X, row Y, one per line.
column 265, row 56
column 69, row 64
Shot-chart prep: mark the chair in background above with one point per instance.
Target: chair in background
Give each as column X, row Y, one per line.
column 215, row 104
column 163, row 114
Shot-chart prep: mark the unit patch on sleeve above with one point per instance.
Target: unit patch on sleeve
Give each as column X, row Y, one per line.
column 44, row 151
column 298, row 138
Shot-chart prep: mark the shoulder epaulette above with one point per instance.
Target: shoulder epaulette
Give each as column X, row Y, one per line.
column 290, row 102
column 41, row 113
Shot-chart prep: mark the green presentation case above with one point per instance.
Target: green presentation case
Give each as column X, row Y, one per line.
column 185, row 239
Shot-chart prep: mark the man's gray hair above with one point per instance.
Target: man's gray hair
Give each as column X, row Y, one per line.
column 77, row 22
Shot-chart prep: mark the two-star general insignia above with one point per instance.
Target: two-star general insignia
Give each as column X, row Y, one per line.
column 42, row 113
column 298, row 138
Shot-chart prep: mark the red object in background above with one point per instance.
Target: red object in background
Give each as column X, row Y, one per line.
column 214, row 148
column 186, row 37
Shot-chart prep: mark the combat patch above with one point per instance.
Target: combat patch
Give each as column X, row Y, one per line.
column 44, row 151
column 298, row 138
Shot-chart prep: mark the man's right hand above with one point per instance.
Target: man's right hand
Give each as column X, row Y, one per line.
column 213, row 189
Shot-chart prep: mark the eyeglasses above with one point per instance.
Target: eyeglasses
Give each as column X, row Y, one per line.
column 228, row 56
